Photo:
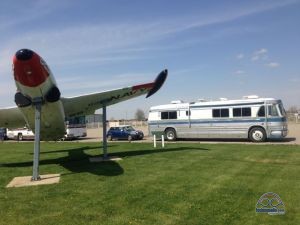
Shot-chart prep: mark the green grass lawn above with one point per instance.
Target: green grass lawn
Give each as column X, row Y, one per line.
column 185, row 183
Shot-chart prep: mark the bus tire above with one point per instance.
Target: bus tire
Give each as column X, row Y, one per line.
column 257, row 134
column 170, row 134
column 20, row 137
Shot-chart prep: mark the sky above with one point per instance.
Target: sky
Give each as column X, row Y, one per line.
column 212, row 49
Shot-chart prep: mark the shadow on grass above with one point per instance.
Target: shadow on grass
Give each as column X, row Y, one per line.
column 154, row 151
column 77, row 160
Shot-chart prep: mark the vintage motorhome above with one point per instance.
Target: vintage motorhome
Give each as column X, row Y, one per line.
column 251, row 117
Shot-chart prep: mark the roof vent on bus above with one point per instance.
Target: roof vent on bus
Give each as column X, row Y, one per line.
column 202, row 100
column 176, row 102
column 250, row 97
column 223, row 99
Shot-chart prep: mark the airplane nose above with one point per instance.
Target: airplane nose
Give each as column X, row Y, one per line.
column 24, row 54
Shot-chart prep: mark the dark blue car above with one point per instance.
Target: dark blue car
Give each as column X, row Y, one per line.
column 3, row 135
column 124, row 133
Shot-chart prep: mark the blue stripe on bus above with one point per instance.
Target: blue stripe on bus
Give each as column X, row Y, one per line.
column 218, row 121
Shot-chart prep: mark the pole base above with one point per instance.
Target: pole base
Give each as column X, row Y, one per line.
column 27, row 181
column 36, row 178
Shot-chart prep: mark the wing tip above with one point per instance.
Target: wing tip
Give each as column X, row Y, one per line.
column 158, row 83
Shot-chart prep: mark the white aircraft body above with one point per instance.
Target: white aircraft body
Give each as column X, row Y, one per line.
column 35, row 83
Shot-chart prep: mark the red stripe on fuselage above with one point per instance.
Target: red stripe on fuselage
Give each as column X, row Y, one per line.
column 31, row 72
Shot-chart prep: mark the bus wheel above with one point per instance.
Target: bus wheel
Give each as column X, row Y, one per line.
column 170, row 134
column 20, row 137
column 257, row 134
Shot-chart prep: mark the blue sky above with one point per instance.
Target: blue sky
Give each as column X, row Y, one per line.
column 212, row 49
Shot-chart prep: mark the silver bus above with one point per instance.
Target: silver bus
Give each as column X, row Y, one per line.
column 251, row 117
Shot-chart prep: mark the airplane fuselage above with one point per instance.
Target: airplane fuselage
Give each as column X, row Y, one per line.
column 34, row 82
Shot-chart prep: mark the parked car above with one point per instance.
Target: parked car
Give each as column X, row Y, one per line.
column 3, row 135
column 20, row 134
column 124, row 132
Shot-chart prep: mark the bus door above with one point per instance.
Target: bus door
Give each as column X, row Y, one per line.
column 183, row 123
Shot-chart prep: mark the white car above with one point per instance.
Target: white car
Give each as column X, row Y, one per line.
column 20, row 134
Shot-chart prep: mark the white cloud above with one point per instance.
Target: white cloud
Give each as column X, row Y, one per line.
column 272, row 64
column 260, row 54
column 254, row 58
column 239, row 72
column 240, row 56
column 261, row 51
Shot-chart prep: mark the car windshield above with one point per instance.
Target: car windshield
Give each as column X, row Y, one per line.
column 129, row 128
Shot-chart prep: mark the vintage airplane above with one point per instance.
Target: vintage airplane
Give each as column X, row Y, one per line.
column 36, row 85
column 40, row 106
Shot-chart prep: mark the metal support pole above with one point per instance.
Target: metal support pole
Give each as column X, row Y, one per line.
column 36, row 157
column 105, row 155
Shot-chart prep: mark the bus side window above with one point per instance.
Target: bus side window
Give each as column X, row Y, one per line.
column 246, row 111
column 173, row 115
column 164, row 115
column 242, row 112
column 224, row 112
column 237, row 112
column 169, row 115
column 217, row 113
column 261, row 111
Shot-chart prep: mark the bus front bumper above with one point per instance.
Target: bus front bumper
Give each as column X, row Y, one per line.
column 278, row 133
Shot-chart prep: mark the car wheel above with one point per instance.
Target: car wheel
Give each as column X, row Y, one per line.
column 20, row 137
column 170, row 134
column 257, row 134
column 129, row 138
column 109, row 137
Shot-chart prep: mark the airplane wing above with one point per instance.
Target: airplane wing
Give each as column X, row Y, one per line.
column 87, row 104
column 11, row 118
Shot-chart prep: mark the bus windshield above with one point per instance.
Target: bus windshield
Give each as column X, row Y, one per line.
column 282, row 110
column 272, row 110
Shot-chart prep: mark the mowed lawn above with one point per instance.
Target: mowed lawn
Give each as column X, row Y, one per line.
column 185, row 183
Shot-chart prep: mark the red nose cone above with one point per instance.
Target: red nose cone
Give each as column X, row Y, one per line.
column 29, row 68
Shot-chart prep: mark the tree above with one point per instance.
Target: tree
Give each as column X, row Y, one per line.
column 139, row 115
column 292, row 109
